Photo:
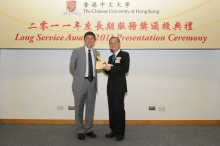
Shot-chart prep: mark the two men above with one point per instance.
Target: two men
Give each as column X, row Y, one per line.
column 84, row 88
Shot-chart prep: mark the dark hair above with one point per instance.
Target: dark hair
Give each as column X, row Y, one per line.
column 89, row 33
column 113, row 38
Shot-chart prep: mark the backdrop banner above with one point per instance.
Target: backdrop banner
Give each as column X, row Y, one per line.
column 142, row 24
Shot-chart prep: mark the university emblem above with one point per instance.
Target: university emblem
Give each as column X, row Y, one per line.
column 71, row 5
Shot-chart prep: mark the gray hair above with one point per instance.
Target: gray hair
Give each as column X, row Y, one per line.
column 113, row 38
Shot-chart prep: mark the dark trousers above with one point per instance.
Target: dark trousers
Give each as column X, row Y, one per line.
column 116, row 112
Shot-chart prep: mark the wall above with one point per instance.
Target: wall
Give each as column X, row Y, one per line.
column 186, row 82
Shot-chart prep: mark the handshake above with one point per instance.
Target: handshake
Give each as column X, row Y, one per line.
column 103, row 65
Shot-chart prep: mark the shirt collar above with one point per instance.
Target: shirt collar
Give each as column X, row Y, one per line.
column 117, row 52
column 87, row 49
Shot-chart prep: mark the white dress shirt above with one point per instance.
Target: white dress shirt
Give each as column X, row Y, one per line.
column 87, row 64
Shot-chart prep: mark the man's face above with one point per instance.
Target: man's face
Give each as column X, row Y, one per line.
column 114, row 45
column 89, row 41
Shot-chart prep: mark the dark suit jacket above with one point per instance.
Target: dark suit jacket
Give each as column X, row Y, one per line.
column 117, row 75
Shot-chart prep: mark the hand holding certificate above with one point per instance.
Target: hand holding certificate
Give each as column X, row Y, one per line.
column 99, row 64
column 102, row 65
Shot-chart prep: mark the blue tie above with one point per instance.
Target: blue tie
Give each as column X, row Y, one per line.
column 113, row 58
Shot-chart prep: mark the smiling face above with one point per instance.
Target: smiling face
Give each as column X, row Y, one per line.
column 114, row 44
column 89, row 41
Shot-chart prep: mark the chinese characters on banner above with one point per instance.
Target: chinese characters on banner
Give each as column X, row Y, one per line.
column 119, row 26
column 144, row 24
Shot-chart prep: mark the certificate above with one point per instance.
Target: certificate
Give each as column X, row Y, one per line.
column 100, row 65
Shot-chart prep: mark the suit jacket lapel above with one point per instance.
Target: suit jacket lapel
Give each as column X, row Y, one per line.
column 83, row 56
column 119, row 54
column 94, row 53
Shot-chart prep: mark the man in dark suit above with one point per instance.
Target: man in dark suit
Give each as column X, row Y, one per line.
column 116, row 88
column 84, row 86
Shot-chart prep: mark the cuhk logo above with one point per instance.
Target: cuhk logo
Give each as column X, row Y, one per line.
column 70, row 5
column 71, row 8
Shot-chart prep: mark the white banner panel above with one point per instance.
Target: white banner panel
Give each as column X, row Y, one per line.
column 140, row 24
